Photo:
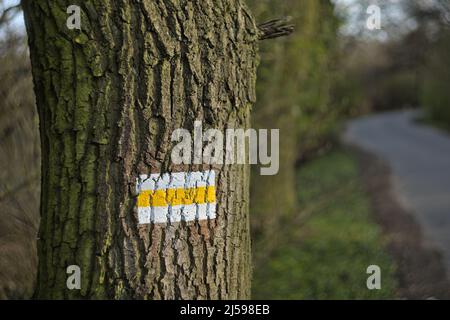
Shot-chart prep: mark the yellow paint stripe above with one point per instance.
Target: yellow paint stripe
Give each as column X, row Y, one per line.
column 174, row 197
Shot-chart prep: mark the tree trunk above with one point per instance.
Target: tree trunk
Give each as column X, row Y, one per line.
column 109, row 97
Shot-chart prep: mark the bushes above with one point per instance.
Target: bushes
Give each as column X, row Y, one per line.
column 326, row 249
column 19, row 171
column 435, row 93
column 293, row 94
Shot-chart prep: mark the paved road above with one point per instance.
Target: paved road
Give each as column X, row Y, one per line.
column 419, row 157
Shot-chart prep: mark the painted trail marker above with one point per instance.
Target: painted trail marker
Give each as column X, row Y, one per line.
column 175, row 197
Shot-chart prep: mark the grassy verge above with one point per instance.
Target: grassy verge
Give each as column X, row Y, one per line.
column 427, row 120
column 328, row 246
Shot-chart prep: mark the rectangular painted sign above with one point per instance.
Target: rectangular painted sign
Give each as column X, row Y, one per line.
column 175, row 197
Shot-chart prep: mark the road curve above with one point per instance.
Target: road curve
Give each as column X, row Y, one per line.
column 419, row 158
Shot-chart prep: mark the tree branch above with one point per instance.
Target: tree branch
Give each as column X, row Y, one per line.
column 275, row 28
column 9, row 13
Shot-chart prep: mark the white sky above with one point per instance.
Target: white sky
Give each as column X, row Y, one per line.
column 17, row 23
column 394, row 20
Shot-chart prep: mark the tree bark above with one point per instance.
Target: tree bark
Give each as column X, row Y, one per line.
column 109, row 97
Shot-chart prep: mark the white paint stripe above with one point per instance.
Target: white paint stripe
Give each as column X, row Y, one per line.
column 176, row 180
column 177, row 213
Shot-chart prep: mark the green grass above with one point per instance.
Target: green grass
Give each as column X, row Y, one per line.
column 437, row 123
column 328, row 246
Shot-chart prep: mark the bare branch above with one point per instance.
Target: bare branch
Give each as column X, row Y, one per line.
column 9, row 13
column 275, row 28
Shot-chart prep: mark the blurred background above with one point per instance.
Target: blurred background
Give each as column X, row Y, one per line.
column 364, row 173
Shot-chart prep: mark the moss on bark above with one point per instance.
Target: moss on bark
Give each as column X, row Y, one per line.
column 109, row 96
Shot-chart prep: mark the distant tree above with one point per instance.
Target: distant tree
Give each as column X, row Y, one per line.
column 19, row 162
column 293, row 94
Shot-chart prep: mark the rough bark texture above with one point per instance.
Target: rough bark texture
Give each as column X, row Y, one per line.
column 109, row 97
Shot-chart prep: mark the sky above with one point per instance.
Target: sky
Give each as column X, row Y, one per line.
column 394, row 19
column 17, row 23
